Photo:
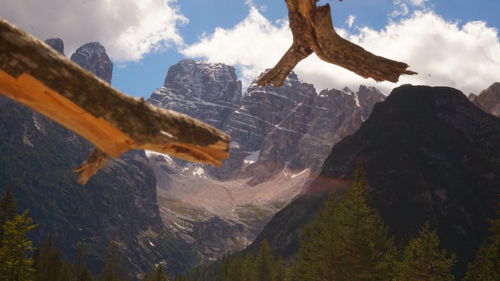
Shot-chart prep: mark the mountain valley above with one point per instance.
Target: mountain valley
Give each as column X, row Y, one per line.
column 430, row 154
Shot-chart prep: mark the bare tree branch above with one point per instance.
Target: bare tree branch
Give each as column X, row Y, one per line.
column 44, row 80
column 313, row 31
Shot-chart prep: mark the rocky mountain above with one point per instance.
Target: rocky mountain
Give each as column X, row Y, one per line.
column 56, row 43
column 208, row 92
column 159, row 209
column 92, row 56
column 216, row 217
column 279, row 137
column 119, row 204
column 429, row 155
column 488, row 100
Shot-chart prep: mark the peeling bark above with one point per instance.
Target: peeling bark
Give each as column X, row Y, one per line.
column 44, row 80
column 313, row 31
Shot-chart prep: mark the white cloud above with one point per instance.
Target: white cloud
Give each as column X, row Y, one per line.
column 401, row 9
column 128, row 29
column 444, row 53
column 419, row 3
column 252, row 45
column 350, row 20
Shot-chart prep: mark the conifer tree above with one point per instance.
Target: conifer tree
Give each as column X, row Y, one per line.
column 15, row 261
column 423, row 260
column 486, row 264
column 146, row 277
column 48, row 262
column 347, row 241
column 7, row 206
column 7, row 210
column 86, row 275
column 281, row 271
column 317, row 259
column 223, row 269
column 159, row 274
column 66, row 272
column 264, row 263
column 248, row 269
column 235, row 271
column 201, row 273
column 81, row 271
column 110, row 270
column 361, row 240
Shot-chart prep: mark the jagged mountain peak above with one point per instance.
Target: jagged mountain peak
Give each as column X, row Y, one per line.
column 348, row 91
column 292, row 81
column 56, row 43
column 207, row 91
column 489, row 99
column 191, row 74
column 93, row 57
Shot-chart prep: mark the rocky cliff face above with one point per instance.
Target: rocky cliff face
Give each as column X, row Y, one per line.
column 93, row 57
column 263, row 111
column 429, row 155
column 488, row 100
column 118, row 205
column 56, row 44
column 209, row 92
column 279, row 136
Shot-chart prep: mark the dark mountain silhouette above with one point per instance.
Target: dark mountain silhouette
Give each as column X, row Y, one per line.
column 429, row 155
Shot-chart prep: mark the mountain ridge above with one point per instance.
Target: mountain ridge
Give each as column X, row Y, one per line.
column 425, row 150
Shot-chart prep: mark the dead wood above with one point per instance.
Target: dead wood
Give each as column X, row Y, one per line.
column 313, row 31
column 44, row 80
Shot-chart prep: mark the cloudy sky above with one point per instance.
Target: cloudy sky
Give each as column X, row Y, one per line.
column 452, row 43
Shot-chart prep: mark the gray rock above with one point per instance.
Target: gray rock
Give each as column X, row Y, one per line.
column 56, row 43
column 93, row 57
column 267, row 112
column 209, row 92
column 488, row 100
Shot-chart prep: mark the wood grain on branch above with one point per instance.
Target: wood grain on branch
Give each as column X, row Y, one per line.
column 313, row 31
column 34, row 74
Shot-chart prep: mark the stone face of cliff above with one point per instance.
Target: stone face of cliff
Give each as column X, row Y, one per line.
column 56, row 43
column 208, row 92
column 93, row 57
column 488, row 100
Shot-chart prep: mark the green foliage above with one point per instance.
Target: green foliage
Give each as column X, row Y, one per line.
column 423, row 260
column 7, row 210
column 248, row 268
column 202, row 272
column 264, row 263
column 111, row 265
column 81, row 272
column 347, row 240
column 15, row 261
column 7, row 206
column 234, row 268
column 159, row 274
column 48, row 263
column 486, row 264
column 85, row 275
column 281, row 271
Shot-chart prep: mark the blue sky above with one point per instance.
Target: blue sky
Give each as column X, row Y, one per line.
column 206, row 15
column 441, row 39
